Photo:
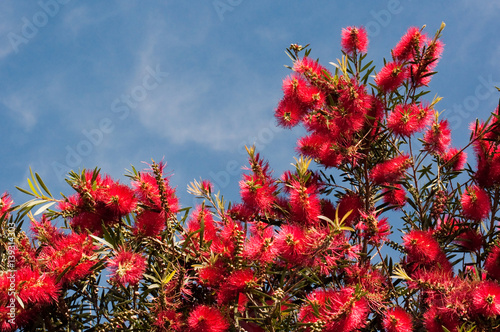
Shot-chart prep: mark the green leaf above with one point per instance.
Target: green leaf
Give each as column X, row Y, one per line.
column 106, row 243
column 43, row 208
column 39, row 179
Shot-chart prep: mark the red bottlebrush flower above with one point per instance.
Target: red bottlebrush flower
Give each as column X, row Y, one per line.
column 423, row 249
column 45, row 232
column 336, row 309
column 34, row 287
column 406, row 49
column 212, row 275
column 290, row 243
column 437, row 139
column 149, row 223
column 230, row 241
column 127, row 267
column 354, row 40
column 391, row 170
column 258, row 190
column 311, row 145
column 305, row 204
column 311, row 69
column 470, row 240
column 406, row 120
column 71, row 258
column 395, row 195
column 148, row 192
column 486, row 299
column 373, row 229
column 235, row 283
column 454, row 159
column 169, row 320
column 260, row 247
column 120, row 199
column 492, row 263
column 295, row 87
column 206, row 319
column 289, row 112
column 350, row 202
column 5, row 204
column 203, row 214
column 397, row 320
column 433, row 53
column 437, row 317
column 87, row 221
column 476, row 204
column 391, row 76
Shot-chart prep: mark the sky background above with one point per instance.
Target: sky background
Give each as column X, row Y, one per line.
column 117, row 83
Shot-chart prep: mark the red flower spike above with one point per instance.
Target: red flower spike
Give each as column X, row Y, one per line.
column 424, row 250
column 395, row 195
column 408, row 45
column 436, row 317
column 486, row 299
column 438, row 138
column 5, row 204
column 391, row 170
column 289, row 112
column 354, row 40
column 290, row 243
column 374, row 230
column 120, row 199
column 169, row 320
column 406, row 120
column 206, row 319
column 391, row 77
column 305, row 204
column 492, row 263
column 336, row 309
column 350, row 202
column 476, row 204
column 454, row 159
column 127, row 267
column 74, row 251
column 397, row 320
column 149, row 223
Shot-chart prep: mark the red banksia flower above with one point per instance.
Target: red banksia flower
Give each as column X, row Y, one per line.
column 354, row 40
column 476, row 204
column 486, row 299
column 127, row 267
column 206, row 319
column 409, row 44
column 437, row 139
column 391, row 77
column 397, row 320
column 391, row 170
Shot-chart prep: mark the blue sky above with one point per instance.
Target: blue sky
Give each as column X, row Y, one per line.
column 115, row 83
